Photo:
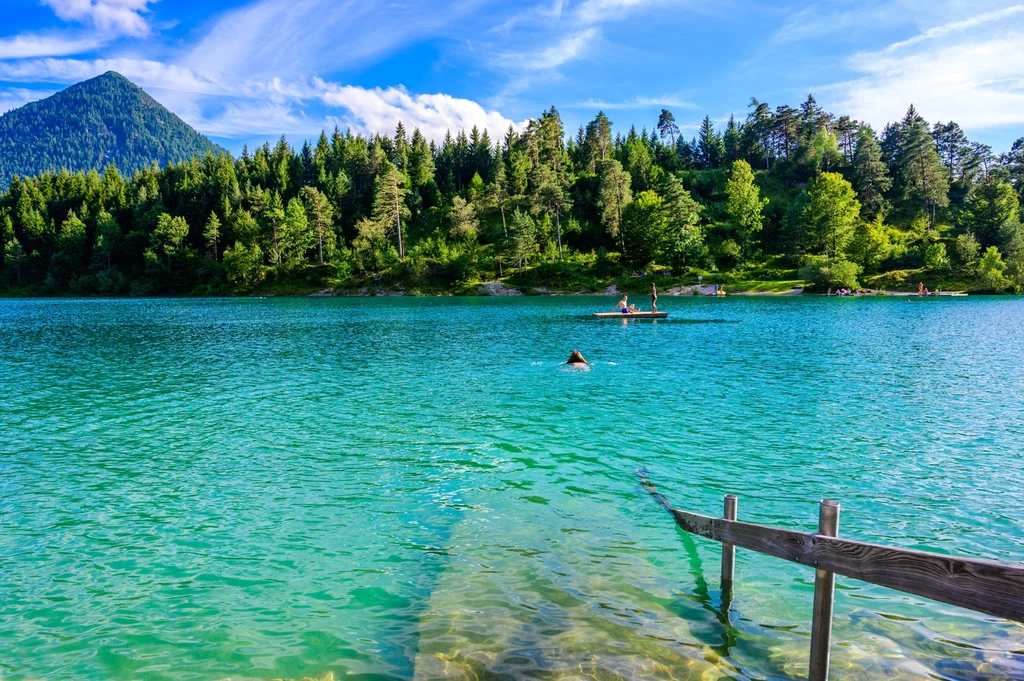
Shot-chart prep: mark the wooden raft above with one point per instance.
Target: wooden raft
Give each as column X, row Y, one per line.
column 631, row 315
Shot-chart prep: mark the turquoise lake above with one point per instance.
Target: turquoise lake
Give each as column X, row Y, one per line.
column 417, row 488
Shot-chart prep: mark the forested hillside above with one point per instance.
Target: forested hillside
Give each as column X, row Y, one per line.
column 795, row 194
column 107, row 120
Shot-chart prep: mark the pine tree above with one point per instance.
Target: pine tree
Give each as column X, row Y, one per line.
column 170, row 232
column 212, row 235
column 272, row 216
column 463, row 220
column 952, row 146
column 667, row 126
column 812, row 119
column 645, row 230
column 389, row 201
column 523, row 237
column 870, row 175
column 14, row 254
column 614, row 196
column 924, row 177
column 1013, row 163
column 731, row 141
column 321, row 215
column 296, row 236
column 710, row 148
column 761, row 127
column 992, row 213
column 499, row 188
column 682, row 213
column 72, row 241
column 108, row 237
column 598, row 145
column 402, row 149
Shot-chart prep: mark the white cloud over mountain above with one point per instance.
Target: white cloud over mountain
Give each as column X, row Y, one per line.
column 119, row 16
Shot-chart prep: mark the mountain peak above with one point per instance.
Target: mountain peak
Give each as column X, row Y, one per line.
column 110, row 75
column 90, row 125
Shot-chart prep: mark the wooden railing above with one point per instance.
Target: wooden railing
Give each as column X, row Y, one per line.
column 980, row 585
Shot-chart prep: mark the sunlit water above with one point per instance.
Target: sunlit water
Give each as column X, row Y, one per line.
column 417, row 488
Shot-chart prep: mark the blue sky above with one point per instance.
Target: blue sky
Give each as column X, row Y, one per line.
column 243, row 71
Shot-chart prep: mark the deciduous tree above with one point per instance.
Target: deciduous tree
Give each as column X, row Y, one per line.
column 831, row 214
column 744, row 205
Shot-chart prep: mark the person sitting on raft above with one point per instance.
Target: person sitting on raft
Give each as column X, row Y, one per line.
column 623, row 305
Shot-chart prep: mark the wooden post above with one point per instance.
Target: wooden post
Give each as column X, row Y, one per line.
column 728, row 559
column 728, row 550
column 824, row 592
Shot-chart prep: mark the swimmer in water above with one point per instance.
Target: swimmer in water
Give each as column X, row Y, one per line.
column 576, row 358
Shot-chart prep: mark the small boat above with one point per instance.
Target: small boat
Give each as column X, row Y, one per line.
column 631, row 315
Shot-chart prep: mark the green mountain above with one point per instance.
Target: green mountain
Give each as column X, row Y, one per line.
column 102, row 121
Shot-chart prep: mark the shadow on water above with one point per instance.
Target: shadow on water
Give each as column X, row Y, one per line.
column 702, row 594
column 659, row 322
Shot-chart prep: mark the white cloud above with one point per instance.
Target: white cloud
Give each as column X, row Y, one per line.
column 241, row 119
column 119, row 16
column 12, row 98
column 29, row 45
column 673, row 101
column 543, row 13
column 972, row 76
column 861, row 19
column 551, row 57
column 147, row 73
column 379, row 110
column 958, row 26
column 596, row 11
column 299, row 38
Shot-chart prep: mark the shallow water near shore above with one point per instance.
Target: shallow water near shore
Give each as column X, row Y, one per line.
column 418, row 488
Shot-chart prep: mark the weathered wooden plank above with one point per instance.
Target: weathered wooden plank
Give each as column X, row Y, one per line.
column 984, row 586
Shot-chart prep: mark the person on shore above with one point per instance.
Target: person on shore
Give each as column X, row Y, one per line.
column 920, row 288
column 654, row 297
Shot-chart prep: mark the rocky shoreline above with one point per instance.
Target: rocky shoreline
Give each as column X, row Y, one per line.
column 500, row 289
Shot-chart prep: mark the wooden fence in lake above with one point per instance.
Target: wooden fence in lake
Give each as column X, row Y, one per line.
column 980, row 585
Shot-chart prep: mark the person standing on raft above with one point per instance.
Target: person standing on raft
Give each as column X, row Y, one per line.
column 654, row 297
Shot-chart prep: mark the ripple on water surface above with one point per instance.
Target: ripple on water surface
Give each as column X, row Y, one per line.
column 417, row 488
